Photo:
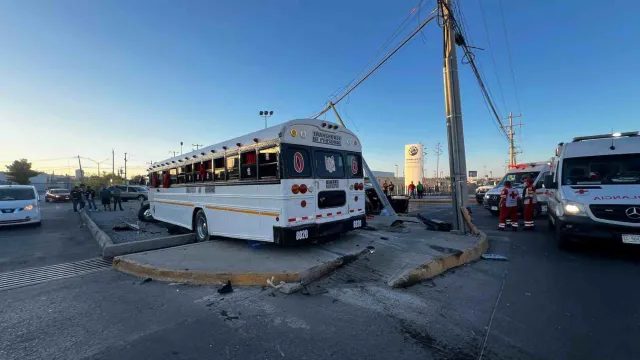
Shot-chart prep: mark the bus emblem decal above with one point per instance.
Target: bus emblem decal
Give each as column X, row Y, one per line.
column 329, row 164
column 298, row 162
column 354, row 166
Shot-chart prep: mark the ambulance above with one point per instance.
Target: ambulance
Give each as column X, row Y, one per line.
column 516, row 175
column 594, row 189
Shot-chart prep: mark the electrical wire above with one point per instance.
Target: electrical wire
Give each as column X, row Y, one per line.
column 471, row 61
column 506, row 37
column 493, row 59
column 415, row 12
column 384, row 60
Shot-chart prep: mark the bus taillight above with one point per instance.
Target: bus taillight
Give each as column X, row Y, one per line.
column 303, row 189
column 295, row 188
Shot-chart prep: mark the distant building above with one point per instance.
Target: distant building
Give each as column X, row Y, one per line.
column 385, row 174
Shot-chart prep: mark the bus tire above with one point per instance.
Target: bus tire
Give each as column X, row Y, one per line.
column 201, row 226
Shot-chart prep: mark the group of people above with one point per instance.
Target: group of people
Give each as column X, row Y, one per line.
column 509, row 206
column 388, row 187
column 82, row 196
column 416, row 189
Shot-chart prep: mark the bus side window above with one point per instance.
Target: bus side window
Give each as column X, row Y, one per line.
column 268, row 163
column 233, row 167
column 248, row 165
column 174, row 176
column 218, row 169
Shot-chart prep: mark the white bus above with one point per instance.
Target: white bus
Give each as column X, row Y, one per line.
column 290, row 182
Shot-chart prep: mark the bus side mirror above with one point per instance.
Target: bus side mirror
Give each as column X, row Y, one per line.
column 548, row 182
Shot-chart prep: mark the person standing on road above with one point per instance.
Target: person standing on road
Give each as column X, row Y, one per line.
column 530, row 203
column 105, row 197
column 391, row 187
column 508, row 206
column 117, row 200
column 75, row 198
column 82, row 198
column 412, row 190
column 91, row 195
column 385, row 187
column 420, row 188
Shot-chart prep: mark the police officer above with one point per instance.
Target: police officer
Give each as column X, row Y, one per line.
column 508, row 206
column 530, row 203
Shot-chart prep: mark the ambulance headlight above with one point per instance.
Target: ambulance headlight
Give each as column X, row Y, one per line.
column 574, row 208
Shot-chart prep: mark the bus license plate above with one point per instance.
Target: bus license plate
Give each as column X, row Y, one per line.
column 631, row 239
column 332, row 184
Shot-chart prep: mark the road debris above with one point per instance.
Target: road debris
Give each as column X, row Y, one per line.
column 494, row 257
column 226, row 289
column 313, row 290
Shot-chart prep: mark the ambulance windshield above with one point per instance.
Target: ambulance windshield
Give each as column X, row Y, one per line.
column 604, row 169
column 517, row 179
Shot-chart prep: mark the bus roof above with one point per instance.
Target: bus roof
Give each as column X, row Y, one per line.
column 272, row 133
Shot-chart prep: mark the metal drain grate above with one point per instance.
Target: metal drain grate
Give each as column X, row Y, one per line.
column 32, row 276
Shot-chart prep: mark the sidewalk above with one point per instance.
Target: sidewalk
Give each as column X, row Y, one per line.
column 440, row 199
column 404, row 256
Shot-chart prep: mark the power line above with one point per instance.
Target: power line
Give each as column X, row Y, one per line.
column 493, row 59
column 470, row 59
column 384, row 60
column 513, row 77
column 414, row 12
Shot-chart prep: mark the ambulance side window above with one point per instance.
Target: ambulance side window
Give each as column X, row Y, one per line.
column 540, row 184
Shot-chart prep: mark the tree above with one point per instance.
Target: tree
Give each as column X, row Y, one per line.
column 20, row 172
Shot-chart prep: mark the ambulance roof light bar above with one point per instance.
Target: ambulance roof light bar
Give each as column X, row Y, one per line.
column 607, row 136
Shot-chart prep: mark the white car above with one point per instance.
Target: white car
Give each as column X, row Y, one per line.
column 19, row 204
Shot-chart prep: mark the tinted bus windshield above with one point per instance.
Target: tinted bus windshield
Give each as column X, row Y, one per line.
column 518, row 178
column 604, row 169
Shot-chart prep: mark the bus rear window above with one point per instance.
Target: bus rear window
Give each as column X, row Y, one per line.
column 329, row 164
column 298, row 162
column 354, row 166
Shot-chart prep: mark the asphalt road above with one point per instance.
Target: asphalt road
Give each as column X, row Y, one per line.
column 60, row 239
column 542, row 303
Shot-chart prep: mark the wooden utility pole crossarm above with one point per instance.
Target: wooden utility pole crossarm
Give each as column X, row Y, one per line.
column 511, row 134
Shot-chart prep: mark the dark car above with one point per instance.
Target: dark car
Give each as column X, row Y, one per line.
column 57, row 195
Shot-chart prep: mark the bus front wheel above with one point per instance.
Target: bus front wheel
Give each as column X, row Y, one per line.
column 201, row 226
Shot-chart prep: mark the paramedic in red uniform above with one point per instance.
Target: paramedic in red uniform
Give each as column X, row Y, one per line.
column 530, row 203
column 508, row 206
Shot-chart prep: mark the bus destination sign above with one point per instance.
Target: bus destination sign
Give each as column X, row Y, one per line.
column 326, row 138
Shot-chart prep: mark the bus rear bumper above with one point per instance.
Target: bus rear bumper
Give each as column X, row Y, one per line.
column 296, row 234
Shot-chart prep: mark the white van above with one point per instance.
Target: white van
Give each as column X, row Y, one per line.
column 594, row 188
column 516, row 175
column 19, row 204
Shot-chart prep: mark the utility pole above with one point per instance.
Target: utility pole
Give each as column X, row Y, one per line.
column 455, row 135
column 113, row 162
column 125, row 168
column 512, row 141
column 437, row 152
column 197, row 146
column 80, row 166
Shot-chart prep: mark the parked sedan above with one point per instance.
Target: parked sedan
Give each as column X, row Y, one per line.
column 56, row 195
column 127, row 193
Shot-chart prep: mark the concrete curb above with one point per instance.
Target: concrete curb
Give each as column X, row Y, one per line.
column 109, row 249
column 437, row 201
column 441, row 264
column 241, row 279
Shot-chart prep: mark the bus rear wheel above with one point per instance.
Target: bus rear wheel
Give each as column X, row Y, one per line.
column 201, row 226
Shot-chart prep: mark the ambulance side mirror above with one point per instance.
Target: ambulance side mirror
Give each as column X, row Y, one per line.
column 548, row 182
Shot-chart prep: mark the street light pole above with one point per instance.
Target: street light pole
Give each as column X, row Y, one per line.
column 396, row 170
column 181, row 143
column 266, row 114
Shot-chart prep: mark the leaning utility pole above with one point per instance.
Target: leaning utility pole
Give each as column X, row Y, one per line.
column 455, row 135
column 512, row 141
column 80, row 166
column 125, row 168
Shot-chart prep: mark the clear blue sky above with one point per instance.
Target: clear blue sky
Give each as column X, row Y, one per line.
column 81, row 77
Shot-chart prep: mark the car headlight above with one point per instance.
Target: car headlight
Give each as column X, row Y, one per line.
column 28, row 208
column 574, row 208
